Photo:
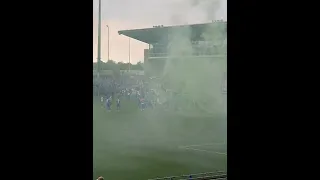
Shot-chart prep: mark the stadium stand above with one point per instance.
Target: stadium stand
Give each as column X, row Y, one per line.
column 160, row 38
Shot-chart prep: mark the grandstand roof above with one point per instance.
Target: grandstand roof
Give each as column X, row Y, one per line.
column 161, row 33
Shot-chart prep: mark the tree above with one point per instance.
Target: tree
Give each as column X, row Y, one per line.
column 112, row 65
column 123, row 66
column 139, row 66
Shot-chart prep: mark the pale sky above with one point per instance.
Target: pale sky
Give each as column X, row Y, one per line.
column 137, row 14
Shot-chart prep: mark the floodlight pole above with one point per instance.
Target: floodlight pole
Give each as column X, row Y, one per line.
column 99, row 41
column 129, row 54
column 108, row 43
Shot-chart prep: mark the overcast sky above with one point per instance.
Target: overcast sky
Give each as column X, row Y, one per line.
column 136, row 14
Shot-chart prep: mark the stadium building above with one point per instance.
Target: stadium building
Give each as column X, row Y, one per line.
column 198, row 42
column 190, row 60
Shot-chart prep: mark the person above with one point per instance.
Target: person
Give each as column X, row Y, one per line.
column 108, row 104
column 150, row 104
column 138, row 94
column 153, row 103
column 128, row 95
column 139, row 103
column 118, row 104
column 110, row 100
column 142, row 104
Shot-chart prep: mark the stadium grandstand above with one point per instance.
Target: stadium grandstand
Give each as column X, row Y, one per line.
column 206, row 41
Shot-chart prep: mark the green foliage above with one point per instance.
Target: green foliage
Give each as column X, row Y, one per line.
column 116, row 67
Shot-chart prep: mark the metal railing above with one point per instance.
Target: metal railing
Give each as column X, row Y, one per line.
column 219, row 175
column 204, row 54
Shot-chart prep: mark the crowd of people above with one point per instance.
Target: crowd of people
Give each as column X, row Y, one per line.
column 147, row 93
column 133, row 88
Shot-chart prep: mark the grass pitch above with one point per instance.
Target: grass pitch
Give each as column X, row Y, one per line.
column 133, row 144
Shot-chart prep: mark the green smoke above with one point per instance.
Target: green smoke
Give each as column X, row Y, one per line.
column 200, row 78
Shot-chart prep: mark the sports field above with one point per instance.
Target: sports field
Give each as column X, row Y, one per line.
column 138, row 145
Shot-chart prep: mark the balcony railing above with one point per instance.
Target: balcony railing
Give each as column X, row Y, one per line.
column 152, row 55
